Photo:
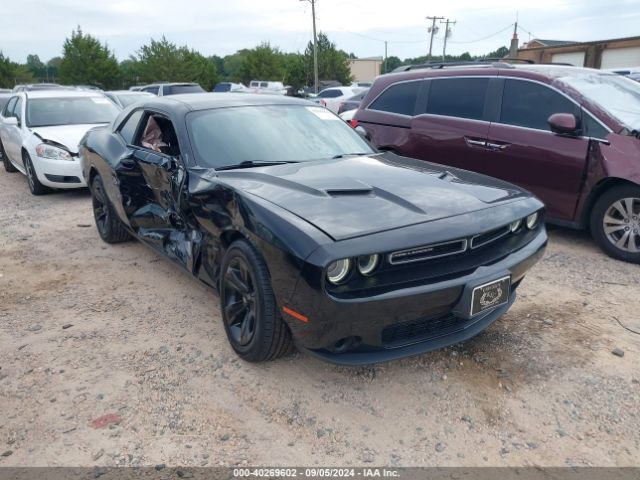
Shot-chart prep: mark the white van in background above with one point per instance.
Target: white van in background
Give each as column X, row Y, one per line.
column 263, row 86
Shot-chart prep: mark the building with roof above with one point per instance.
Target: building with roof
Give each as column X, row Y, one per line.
column 365, row 69
column 614, row 53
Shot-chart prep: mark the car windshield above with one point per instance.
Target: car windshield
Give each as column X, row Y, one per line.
column 617, row 95
column 270, row 133
column 222, row 87
column 129, row 99
column 46, row 112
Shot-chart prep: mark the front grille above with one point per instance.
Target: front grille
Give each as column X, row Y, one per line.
column 420, row 330
column 427, row 252
column 488, row 237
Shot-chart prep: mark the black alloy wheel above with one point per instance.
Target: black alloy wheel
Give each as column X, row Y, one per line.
column 248, row 306
column 240, row 301
column 109, row 226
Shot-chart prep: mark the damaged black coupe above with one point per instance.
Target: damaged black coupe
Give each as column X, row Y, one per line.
column 309, row 235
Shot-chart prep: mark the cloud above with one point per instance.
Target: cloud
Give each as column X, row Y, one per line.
column 358, row 26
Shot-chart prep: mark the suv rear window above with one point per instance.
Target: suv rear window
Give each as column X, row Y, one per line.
column 529, row 104
column 458, row 97
column 178, row 89
column 399, row 98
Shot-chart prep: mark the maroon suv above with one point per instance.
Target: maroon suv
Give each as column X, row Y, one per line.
column 569, row 135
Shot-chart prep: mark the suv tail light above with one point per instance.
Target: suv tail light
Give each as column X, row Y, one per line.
column 353, row 122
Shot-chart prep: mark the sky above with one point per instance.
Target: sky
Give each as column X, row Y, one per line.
column 357, row 26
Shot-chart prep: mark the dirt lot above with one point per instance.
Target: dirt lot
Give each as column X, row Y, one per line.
column 144, row 375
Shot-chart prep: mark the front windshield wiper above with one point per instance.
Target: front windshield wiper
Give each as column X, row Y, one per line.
column 357, row 154
column 254, row 163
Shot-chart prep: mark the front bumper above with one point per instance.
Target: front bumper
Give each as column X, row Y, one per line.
column 59, row 173
column 425, row 315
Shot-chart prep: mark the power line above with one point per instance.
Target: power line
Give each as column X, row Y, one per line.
column 484, row 38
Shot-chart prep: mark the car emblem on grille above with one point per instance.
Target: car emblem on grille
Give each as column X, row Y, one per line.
column 491, row 297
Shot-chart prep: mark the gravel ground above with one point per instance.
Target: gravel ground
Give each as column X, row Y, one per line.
column 110, row 355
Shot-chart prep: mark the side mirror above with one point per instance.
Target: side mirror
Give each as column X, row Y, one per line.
column 11, row 121
column 362, row 132
column 564, row 124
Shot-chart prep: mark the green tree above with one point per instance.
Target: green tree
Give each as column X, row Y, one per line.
column 499, row 53
column 333, row 64
column 53, row 69
column 233, row 65
column 129, row 73
column 295, row 72
column 219, row 63
column 12, row 73
column 162, row 60
column 263, row 62
column 392, row 63
column 36, row 67
column 87, row 61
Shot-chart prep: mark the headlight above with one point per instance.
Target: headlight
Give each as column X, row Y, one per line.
column 532, row 221
column 338, row 270
column 515, row 226
column 54, row 153
column 367, row 264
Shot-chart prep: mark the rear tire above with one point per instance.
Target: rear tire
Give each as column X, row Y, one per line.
column 8, row 166
column 615, row 223
column 35, row 186
column 109, row 226
column 249, row 310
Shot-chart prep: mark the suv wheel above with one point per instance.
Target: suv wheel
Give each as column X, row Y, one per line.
column 615, row 223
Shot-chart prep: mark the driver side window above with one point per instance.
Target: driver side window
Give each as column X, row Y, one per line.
column 158, row 135
column 8, row 109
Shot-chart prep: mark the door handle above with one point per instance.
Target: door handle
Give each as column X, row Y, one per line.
column 497, row 146
column 475, row 143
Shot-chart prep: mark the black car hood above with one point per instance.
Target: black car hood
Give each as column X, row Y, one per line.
column 356, row 196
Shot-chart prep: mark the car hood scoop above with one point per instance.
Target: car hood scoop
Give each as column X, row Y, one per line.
column 356, row 196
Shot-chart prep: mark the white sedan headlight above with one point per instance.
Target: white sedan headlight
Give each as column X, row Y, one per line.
column 54, row 153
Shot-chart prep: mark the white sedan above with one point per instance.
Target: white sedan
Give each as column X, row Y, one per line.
column 334, row 96
column 40, row 132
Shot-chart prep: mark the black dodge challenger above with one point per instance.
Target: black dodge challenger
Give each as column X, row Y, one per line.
column 309, row 235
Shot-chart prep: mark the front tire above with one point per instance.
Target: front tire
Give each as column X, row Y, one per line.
column 615, row 223
column 109, row 226
column 249, row 311
column 8, row 166
column 35, row 186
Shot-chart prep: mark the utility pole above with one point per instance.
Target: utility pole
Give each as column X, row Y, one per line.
column 446, row 35
column 385, row 56
column 315, row 45
column 432, row 30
